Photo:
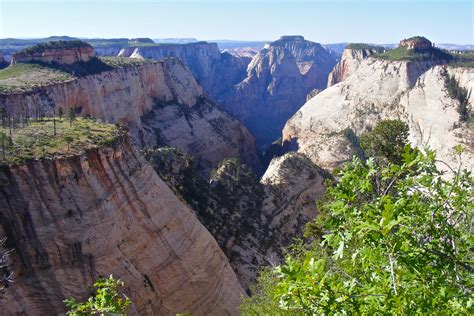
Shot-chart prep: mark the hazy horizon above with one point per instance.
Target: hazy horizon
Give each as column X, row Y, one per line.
column 320, row 21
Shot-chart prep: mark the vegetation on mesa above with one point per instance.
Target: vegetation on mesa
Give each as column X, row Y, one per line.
column 54, row 45
column 404, row 53
column 379, row 49
column 419, row 48
column 53, row 136
column 23, row 77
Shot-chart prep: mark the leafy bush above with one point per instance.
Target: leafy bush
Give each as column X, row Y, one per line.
column 107, row 300
column 387, row 140
column 390, row 239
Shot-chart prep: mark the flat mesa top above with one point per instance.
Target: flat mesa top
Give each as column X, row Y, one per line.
column 36, row 139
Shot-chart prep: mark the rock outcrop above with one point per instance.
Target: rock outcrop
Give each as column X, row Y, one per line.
column 71, row 220
column 277, row 82
column 61, row 52
column 352, row 57
column 417, row 43
column 155, row 99
column 412, row 91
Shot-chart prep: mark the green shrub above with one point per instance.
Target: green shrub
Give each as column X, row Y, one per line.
column 108, row 300
column 387, row 140
column 379, row 49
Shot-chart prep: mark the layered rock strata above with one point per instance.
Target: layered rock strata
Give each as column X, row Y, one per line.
column 73, row 219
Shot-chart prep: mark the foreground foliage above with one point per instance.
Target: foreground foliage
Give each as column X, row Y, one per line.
column 108, row 300
column 390, row 239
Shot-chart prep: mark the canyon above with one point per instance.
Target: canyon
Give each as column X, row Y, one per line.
column 184, row 207
column 262, row 91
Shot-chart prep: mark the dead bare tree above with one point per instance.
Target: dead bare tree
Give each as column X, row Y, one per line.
column 6, row 276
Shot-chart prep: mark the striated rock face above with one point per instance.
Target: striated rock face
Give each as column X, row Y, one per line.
column 350, row 61
column 74, row 219
column 277, row 82
column 160, row 102
column 293, row 185
column 251, row 220
column 60, row 56
column 217, row 72
column 414, row 92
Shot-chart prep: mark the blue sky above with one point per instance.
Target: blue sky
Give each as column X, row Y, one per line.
column 448, row 21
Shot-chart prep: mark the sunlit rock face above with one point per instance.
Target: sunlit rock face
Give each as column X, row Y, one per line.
column 215, row 71
column 278, row 80
column 350, row 61
column 416, row 43
column 412, row 91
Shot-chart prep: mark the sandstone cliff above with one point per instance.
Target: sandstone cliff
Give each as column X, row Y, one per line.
column 137, row 96
column 278, row 79
column 351, row 58
column 76, row 218
column 217, row 72
column 412, row 91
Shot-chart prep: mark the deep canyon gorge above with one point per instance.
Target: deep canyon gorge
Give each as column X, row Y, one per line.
column 219, row 163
